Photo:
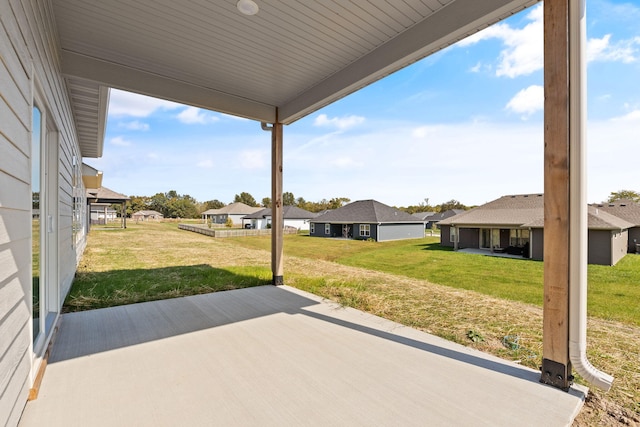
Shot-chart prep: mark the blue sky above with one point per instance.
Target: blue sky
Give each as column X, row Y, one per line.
column 465, row 124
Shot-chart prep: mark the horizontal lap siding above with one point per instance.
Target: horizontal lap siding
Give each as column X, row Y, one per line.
column 15, row 220
column 619, row 245
column 27, row 58
column 399, row 231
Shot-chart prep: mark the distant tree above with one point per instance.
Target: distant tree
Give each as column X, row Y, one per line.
column 624, row 195
column 158, row 202
column 288, row 199
column 245, row 198
column 213, row 204
column 266, row 202
column 451, row 204
column 181, row 207
column 420, row 207
column 137, row 203
column 338, row 202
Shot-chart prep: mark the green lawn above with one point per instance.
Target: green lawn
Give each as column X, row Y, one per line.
column 613, row 292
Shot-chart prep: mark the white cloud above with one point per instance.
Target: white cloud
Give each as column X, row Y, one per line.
column 194, row 115
column 120, row 141
column 524, row 48
column 476, row 68
column 134, row 125
column 252, row 159
column 341, row 123
column 633, row 116
column 424, row 131
column 123, row 103
column 527, row 101
column 346, row 162
column 625, row 51
column 205, row 164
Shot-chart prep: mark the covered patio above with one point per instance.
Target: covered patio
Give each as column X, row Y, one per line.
column 267, row 355
column 277, row 356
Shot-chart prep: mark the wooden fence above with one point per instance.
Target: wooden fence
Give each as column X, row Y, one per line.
column 217, row 232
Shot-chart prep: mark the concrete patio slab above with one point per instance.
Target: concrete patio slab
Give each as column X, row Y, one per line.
column 277, row 356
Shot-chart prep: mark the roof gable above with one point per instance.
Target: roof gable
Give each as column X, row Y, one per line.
column 625, row 209
column 366, row 211
column 527, row 210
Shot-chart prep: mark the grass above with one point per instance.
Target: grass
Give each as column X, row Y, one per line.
column 152, row 261
column 156, row 260
column 613, row 292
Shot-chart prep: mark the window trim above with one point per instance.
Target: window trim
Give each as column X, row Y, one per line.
column 365, row 230
column 327, row 229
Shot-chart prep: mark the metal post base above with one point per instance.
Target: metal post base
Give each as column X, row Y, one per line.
column 278, row 281
column 556, row 374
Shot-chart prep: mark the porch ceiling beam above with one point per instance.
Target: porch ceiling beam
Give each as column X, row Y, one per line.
column 130, row 79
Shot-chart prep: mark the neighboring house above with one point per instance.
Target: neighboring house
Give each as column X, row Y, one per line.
column 424, row 216
column 630, row 212
column 434, row 220
column 104, row 196
column 293, row 217
column 235, row 211
column 147, row 216
column 102, row 213
column 515, row 224
column 367, row 219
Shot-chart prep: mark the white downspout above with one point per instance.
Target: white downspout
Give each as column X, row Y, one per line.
column 578, row 226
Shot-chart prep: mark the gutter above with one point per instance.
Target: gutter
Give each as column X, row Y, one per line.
column 578, row 210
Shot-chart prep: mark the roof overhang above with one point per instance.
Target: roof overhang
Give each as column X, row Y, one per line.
column 289, row 60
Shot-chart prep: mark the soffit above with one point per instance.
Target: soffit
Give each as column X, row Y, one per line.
column 287, row 61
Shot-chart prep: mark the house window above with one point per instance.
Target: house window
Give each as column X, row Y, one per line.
column 312, row 228
column 365, row 230
column 518, row 237
column 452, row 234
column 327, row 229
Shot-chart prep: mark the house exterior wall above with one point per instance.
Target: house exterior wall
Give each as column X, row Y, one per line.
column 445, row 236
column 300, row 224
column 469, row 238
column 619, row 244
column 28, row 67
column 600, row 247
column 399, row 231
column 537, row 244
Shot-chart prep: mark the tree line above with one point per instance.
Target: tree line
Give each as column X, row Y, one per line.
column 174, row 205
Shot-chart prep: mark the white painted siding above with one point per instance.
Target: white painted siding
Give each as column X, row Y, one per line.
column 29, row 60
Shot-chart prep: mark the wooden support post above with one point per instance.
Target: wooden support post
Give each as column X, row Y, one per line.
column 277, row 221
column 556, row 365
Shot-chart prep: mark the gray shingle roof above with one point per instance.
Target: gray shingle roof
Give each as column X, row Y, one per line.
column 366, row 211
column 105, row 194
column 625, row 209
column 424, row 216
column 527, row 210
column 237, row 208
column 513, row 210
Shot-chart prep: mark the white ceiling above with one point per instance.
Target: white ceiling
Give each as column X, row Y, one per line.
column 287, row 61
